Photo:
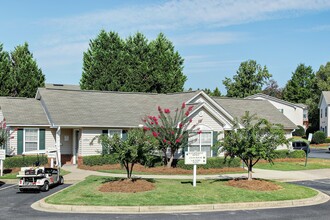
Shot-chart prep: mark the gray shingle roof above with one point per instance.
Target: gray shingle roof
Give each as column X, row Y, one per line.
column 262, row 108
column 326, row 95
column 23, row 111
column 261, row 95
column 106, row 109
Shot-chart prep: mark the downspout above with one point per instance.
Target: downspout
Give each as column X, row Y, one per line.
column 58, row 147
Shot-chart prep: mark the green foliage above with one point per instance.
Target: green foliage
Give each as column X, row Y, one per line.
column 258, row 139
column 297, row 154
column 319, row 137
column 311, row 129
column 301, row 85
column 327, row 140
column 171, row 130
column 281, row 154
column 24, row 161
column 216, row 92
column 300, row 131
column 130, row 151
column 132, row 65
column 212, row 162
column 249, row 80
column 5, row 80
column 98, row 160
column 25, row 73
column 272, row 89
column 19, row 73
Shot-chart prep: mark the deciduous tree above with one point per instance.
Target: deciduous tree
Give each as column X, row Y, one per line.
column 253, row 139
column 272, row 89
column 5, row 81
column 249, row 80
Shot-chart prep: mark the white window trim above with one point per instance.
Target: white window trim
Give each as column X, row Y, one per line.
column 200, row 141
column 25, row 141
column 121, row 132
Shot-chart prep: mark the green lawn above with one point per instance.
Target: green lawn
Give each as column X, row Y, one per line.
column 312, row 163
column 148, row 173
column 174, row 192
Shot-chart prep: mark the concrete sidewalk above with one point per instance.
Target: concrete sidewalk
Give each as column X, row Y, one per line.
column 77, row 175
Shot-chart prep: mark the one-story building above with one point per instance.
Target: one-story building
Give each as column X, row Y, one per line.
column 69, row 118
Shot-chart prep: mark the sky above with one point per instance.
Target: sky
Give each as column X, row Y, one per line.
column 213, row 37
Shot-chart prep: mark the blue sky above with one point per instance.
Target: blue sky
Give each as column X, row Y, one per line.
column 213, row 37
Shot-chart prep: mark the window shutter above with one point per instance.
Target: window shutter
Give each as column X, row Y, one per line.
column 19, row 141
column 104, row 132
column 215, row 142
column 42, row 139
column 124, row 135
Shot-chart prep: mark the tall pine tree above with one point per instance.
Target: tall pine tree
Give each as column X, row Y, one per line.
column 5, row 81
column 25, row 74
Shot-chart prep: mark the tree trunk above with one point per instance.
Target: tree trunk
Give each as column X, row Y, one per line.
column 169, row 164
column 165, row 157
column 250, row 170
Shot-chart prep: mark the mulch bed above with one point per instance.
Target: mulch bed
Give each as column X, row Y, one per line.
column 256, row 185
column 284, row 160
column 127, row 186
column 163, row 170
column 11, row 170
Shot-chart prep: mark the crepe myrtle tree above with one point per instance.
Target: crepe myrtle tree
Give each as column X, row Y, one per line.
column 253, row 139
column 5, row 133
column 171, row 130
column 137, row 147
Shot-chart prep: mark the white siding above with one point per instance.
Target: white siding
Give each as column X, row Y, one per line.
column 295, row 114
column 203, row 117
column 324, row 121
column 1, row 115
column 50, row 138
column 12, row 146
column 86, row 147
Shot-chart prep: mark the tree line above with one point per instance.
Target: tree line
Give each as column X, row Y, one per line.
column 136, row 64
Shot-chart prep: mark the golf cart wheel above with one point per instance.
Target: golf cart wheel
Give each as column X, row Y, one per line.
column 61, row 182
column 21, row 190
column 45, row 187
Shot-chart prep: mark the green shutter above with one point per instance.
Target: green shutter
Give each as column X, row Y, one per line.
column 19, row 141
column 104, row 132
column 215, row 143
column 124, row 135
column 42, row 139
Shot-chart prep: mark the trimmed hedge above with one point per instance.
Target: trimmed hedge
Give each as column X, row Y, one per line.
column 327, row 140
column 24, row 161
column 97, row 160
column 212, row 162
column 319, row 137
column 290, row 154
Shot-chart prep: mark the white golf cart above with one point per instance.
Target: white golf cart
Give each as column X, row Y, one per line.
column 39, row 178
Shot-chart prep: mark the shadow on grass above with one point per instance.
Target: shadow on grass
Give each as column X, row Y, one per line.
column 189, row 182
column 112, row 179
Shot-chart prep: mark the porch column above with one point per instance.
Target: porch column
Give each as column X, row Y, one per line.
column 58, row 146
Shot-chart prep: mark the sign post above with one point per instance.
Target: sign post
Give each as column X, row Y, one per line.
column 195, row 158
column 2, row 158
column 310, row 137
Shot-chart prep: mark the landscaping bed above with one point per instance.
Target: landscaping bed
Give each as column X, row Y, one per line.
column 175, row 192
column 139, row 169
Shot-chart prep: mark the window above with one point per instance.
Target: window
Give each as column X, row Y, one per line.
column 281, row 110
column 112, row 132
column 201, row 142
column 326, row 112
column 31, row 139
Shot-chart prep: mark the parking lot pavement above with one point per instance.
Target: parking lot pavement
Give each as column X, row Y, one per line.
column 319, row 153
column 320, row 184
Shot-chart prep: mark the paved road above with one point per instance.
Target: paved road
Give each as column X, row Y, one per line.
column 319, row 153
column 15, row 205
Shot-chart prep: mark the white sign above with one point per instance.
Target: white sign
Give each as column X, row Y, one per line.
column 51, row 155
column 310, row 137
column 2, row 154
column 195, row 157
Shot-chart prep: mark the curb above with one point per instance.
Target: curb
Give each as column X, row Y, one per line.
column 41, row 205
column 9, row 181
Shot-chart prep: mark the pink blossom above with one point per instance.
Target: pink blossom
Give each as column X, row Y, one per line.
column 167, row 111
column 190, row 120
column 177, row 141
column 159, row 109
column 146, row 128
column 155, row 134
column 164, row 140
column 187, row 113
column 183, row 105
column 190, row 108
column 169, row 142
column 172, row 132
column 199, row 132
column 180, row 125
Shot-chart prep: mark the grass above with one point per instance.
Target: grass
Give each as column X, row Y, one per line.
column 150, row 173
column 312, row 164
column 174, row 192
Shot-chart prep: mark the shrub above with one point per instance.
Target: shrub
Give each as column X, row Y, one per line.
column 98, row 160
column 319, row 137
column 281, row 153
column 212, row 162
column 300, row 131
column 152, row 161
column 327, row 140
column 24, row 161
column 297, row 154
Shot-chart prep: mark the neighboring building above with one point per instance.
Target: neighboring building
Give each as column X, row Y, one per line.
column 70, row 118
column 324, row 106
column 297, row 113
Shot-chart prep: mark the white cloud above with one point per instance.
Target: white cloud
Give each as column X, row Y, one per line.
column 318, row 28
